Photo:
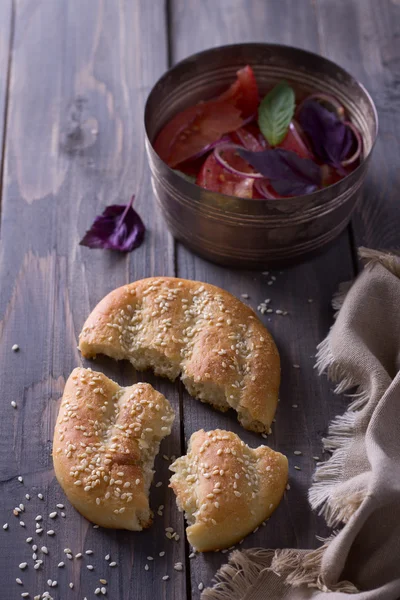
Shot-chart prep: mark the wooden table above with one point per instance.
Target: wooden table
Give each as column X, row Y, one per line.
column 70, row 64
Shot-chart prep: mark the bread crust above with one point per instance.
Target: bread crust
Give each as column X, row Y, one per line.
column 105, row 440
column 222, row 351
column 226, row 488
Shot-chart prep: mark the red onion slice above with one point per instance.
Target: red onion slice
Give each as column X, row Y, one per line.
column 227, row 166
column 224, row 140
column 357, row 152
column 262, row 189
column 298, row 134
column 327, row 99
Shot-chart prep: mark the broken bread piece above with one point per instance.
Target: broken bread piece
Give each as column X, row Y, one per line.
column 105, row 441
column 225, row 488
column 223, row 353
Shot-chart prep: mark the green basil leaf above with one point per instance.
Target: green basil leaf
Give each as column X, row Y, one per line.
column 184, row 176
column 275, row 113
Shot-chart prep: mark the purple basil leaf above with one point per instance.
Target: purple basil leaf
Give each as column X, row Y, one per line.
column 119, row 227
column 330, row 138
column 289, row 174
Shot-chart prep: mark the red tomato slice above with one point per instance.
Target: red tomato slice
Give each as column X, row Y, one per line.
column 243, row 93
column 294, row 142
column 215, row 178
column 191, row 130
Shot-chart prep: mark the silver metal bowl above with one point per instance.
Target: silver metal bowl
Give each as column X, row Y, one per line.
column 244, row 232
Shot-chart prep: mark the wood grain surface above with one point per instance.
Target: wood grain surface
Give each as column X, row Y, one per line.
column 75, row 76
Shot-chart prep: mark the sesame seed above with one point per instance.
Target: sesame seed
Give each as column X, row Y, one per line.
column 146, row 567
column 5, row 526
column 90, row 567
column 34, row 547
column 97, row 591
column 38, row 518
column 23, row 565
column 18, row 580
column 54, row 584
column 29, row 539
column 89, row 552
column 200, row 586
column 103, row 591
column 178, row 566
column 61, row 564
column 137, row 481
column 161, row 553
column 20, row 479
column 44, row 550
column 112, row 564
column 79, row 555
column 103, row 581
column 13, row 404
column 71, row 585
column 192, row 555
column 296, row 366
column 40, row 496
column 52, row 515
column 165, row 578
column 15, row 347
column 67, row 550
column 295, row 405
column 297, row 468
column 310, row 300
column 60, row 506
column 158, row 484
column 25, row 595
column 316, row 458
column 107, row 557
column 69, row 556
column 297, row 453
column 245, row 296
column 27, row 496
column 37, row 566
column 150, row 558
column 51, row 532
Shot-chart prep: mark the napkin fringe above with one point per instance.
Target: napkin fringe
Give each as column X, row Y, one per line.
column 323, row 494
column 241, row 572
column 390, row 260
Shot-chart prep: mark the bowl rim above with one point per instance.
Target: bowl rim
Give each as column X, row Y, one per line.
column 214, row 49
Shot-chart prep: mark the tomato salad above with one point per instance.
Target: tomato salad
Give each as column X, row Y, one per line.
column 239, row 145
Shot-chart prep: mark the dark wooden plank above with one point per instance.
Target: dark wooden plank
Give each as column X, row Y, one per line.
column 364, row 37
column 307, row 403
column 80, row 74
column 6, row 25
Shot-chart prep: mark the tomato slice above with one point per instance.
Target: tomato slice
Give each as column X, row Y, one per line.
column 215, row 178
column 243, row 93
column 191, row 130
column 294, row 142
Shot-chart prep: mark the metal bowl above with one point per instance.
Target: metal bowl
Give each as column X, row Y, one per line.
column 244, row 232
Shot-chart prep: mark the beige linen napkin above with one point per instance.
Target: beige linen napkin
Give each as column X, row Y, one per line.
column 359, row 486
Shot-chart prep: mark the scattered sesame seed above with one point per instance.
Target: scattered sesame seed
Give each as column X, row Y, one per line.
column 69, row 556
column 245, row 296
column 51, row 532
column 18, row 580
column 20, row 479
column 27, row 496
column 13, row 404
column 5, row 526
column 37, row 566
column 34, row 547
column 161, row 553
column 297, row 468
column 103, row 591
column 200, row 586
column 158, row 484
column 61, row 564
column 103, row 581
column 29, row 539
column 178, row 566
column 310, row 300
column 62, row 514
column 40, row 496
column 90, row 567
column 44, row 550
column 40, row 530
column 67, row 550
column 38, row 518
column 25, row 595
column 96, row 526
column 89, row 552
column 150, row 558
column 60, row 506
column 97, row 591
column 316, row 458
column 71, row 585
column 192, row 555
column 297, row 453
column 79, row 555
column 296, row 366
column 107, row 557
column 23, row 565
column 15, row 347
column 165, row 578
column 146, row 567
column 52, row 515
column 54, row 584
column 112, row 564
column 295, row 405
